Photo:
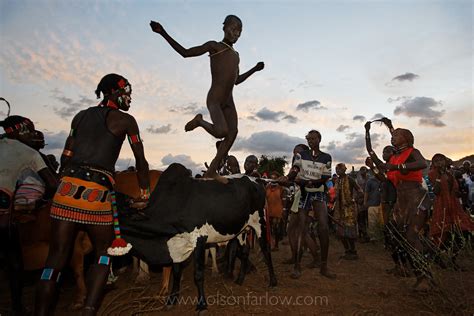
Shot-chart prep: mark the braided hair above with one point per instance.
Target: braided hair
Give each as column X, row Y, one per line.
column 109, row 83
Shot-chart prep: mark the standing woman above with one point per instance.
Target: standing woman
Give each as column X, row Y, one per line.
column 85, row 197
column 448, row 214
column 405, row 171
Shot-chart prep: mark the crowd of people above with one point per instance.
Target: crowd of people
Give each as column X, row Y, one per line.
column 400, row 200
column 417, row 215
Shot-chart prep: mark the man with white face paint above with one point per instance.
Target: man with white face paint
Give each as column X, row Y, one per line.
column 85, row 197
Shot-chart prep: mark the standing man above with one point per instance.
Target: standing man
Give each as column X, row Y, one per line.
column 372, row 202
column 251, row 166
column 311, row 169
column 362, row 219
column 225, row 74
column 85, row 198
column 16, row 157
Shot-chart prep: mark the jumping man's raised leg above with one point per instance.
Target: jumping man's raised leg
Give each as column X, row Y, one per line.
column 230, row 115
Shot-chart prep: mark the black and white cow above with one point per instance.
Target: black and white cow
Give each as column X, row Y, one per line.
column 185, row 213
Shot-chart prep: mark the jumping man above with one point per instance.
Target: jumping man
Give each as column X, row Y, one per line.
column 225, row 74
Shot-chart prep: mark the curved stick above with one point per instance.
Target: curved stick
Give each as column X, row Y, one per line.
column 8, row 104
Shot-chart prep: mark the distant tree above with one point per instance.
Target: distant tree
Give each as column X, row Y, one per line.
column 270, row 164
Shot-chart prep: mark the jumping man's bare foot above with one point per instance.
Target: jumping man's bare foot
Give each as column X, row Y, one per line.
column 215, row 176
column 195, row 122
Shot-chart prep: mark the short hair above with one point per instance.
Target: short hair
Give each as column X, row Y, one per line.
column 253, row 157
column 231, row 17
column 313, row 131
column 302, row 146
column 109, row 83
column 407, row 135
column 438, row 156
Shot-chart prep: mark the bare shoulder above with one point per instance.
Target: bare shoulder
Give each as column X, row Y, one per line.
column 121, row 115
column 213, row 46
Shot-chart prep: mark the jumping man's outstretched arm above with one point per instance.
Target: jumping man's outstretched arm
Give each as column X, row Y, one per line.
column 241, row 78
column 209, row 47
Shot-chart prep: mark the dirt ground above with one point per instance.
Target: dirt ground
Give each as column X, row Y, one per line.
column 362, row 287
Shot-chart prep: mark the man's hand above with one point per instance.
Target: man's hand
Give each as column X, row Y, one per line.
column 157, row 27
column 367, row 125
column 387, row 122
column 259, row 66
column 369, row 163
column 138, row 204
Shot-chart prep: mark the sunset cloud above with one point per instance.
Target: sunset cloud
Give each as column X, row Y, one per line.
column 423, row 108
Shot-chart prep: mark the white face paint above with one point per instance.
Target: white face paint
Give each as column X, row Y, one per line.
column 182, row 245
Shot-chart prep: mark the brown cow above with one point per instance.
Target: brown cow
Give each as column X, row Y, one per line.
column 35, row 236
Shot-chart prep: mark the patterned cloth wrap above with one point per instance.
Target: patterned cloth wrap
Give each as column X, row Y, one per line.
column 29, row 191
column 345, row 209
column 82, row 201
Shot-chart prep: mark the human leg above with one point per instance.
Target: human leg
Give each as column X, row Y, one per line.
column 310, row 242
column 101, row 237
column 323, row 226
column 62, row 238
column 10, row 246
column 298, row 242
column 230, row 118
column 292, row 236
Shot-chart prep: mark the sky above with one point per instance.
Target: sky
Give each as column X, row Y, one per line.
column 329, row 65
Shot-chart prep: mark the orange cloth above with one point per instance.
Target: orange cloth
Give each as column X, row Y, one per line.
column 274, row 201
column 448, row 214
column 395, row 176
column 82, row 201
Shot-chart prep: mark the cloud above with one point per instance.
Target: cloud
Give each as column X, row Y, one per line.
column 422, row 107
column 124, row 163
column 159, row 130
column 342, row 128
column 359, row 118
column 352, row 151
column 377, row 116
column 185, row 160
column 269, row 115
column 431, row 122
column 191, row 108
column 268, row 143
column 397, row 99
column 56, row 56
column 406, row 77
column 273, row 116
column 306, row 106
column 290, row 118
column 70, row 107
column 55, row 140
